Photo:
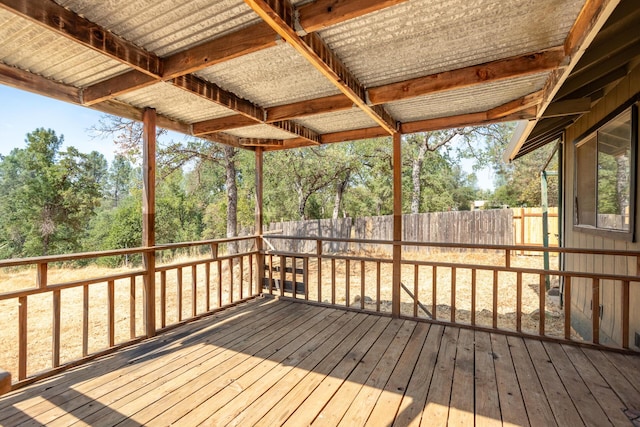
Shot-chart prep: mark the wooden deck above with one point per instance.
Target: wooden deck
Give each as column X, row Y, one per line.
column 275, row 362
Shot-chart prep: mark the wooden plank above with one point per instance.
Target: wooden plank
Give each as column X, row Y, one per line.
column 564, row 411
column 334, row 347
column 148, row 217
column 296, row 110
column 42, row 275
column 516, row 66
column 470, row 119
column 132, row 305
column 595, row 310
column 294, row 284
column 24, row 80
column 567, row 308
column 179, row 373
column 436, row 409
column 535, row 401
column 353, row 135
column 347, row 282
column 222, row 124
column 319, row 268
column 207, row 284
column 333, row 281
column 397, row 224
column 85, row 320
column 324, row 13
column 179, row 293
column 627, row 364
column 314, row 407
column 111, row 328
column 542, row 293
column 55, row 329
column 576, row 389
column 461, row 406
column 219, row 283
column 362, row 286
column 116, row 370
column 378, row 275
column 22, row 337
column 434, row 292
column 495, row 300
column 453, row 294
column 415, row 290
column 283, row 274
column 624, row 303
column 279, row 14
column 487, row 402
column 194, row 291
column 383, row 354
column 603, row 394
column 473, row 296
column 65, row 22
column 511, row 401
column 328, row 372
column 519, row 301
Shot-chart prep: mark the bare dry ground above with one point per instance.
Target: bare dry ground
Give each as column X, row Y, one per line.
column 40, row 315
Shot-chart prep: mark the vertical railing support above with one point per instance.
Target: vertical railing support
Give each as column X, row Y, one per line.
column 258, row 221
column 397, row 224
column 148, row 217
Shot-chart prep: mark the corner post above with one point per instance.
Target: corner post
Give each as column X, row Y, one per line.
column 148, row 217
column 397, row 224
column 258, row 220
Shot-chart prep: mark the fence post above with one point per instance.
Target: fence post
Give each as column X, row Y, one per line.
column 148, row 217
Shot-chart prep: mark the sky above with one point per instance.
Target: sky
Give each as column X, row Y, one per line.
column 22, row 112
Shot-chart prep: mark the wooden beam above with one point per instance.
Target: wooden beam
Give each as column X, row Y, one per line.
column 259, row 219
column 517, row 66
column 212, row 92
column 353, row 135
column 568, row 107
column 279, row 14
column 109, row 89
column 262, row 143
column 471, row 119
column 397, row 225
column 516, row 105
column 327, row 104
column 148, row 216
column 297, row 129
column 71, row 25
column 586, row 21
column 238, row 43
column 320, row 14
column 223, row 123
column 25, row 80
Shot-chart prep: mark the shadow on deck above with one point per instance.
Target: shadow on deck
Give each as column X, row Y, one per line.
column 277, row 362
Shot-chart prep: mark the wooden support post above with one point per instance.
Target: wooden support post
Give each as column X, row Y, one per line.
column 132, row 307
column 259, row 232
column 567, row 308
column 595, row 309
column 85, row 320
column 55, row 359
column 519, row 301
column 473, row 296
column 148, row 217
column 543, row 305
column 111, row 329
column 319, row 268
column 397, row 224
column 42, row 275
column 625, row 314
column 194, row 290
column 22, row 337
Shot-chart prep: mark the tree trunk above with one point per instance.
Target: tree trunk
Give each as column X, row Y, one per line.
column 416, row 168
column 342, row 185
column 232, row 196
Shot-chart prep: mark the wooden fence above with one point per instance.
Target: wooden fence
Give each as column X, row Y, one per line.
column 529, row 231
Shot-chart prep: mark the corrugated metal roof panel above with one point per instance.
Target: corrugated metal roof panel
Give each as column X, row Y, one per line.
column 261, row 131
column 338, row 121
column 468, row 100
column 422, row 37
column 274, row 76
column 34, row 48
column 166, row 26
column 175, row 103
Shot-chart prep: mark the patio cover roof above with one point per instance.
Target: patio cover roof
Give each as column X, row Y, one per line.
column 281, row 74
column 614, row 52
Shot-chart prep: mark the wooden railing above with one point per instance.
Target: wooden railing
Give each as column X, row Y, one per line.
column 211, row 280
column 447, row 291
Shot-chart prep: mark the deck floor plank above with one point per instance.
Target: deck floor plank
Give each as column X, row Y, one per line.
column 581, row 396
column 415, row 396
column 386, row 408
column 275, row 362
column 512, row 407
column 604, row 395
column 487, row 402
column 535, row 401
column 436, row 410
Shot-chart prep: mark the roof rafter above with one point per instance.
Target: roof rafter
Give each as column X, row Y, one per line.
column 471, row 119
column 323, row 13
column 21, row 79
column 279, row 14
column 522, row 103
column 71, row 25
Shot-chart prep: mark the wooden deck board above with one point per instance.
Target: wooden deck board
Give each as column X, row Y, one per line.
column 275, row 362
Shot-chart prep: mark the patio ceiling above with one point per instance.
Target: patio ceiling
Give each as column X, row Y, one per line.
column 283, row 74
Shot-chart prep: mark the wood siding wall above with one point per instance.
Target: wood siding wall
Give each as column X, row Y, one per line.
column 610, row 296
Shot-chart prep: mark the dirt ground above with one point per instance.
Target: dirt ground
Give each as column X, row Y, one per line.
column 39, row 336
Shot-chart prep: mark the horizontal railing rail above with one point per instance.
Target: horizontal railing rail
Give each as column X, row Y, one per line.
column 184, row 290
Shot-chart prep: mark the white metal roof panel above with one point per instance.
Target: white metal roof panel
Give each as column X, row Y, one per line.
column 274, row 76
column 36, row 49
column 261, row 131
column 175, row 103
column 338, row 121
column 422, row 37
column 468, row 100
column 166, row 26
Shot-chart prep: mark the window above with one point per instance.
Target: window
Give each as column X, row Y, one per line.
column 605, row 176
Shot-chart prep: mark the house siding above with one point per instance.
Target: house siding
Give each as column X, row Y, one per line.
column 610, row 292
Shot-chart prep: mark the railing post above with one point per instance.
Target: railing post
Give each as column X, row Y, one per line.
column 397, row 224
column 148, row 217
column 258, row 221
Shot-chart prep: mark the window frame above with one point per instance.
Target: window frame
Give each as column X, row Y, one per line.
column 626, row 235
